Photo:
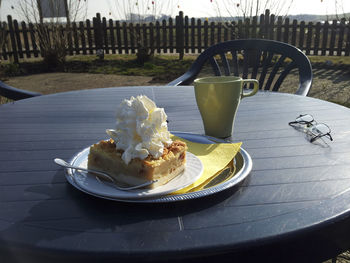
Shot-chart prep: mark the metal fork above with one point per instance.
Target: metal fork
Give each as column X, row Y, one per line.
column 64, row 164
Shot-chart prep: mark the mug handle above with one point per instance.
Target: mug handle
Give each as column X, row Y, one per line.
column 255, row 89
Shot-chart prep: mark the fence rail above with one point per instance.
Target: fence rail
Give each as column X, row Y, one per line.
column 183, row 36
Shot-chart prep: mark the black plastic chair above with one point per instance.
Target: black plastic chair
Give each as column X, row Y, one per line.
column 264, row 57
column 14, row 93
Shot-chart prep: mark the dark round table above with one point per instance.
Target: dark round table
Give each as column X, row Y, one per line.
column 294, row 205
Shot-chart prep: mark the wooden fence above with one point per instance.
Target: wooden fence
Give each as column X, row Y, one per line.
column 182, row 35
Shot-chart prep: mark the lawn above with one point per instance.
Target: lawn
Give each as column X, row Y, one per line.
column 159, row 67
column 331, row 74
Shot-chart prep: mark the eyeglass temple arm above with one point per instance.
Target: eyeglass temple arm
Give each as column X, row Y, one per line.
column 321, row 135
column 300, row 122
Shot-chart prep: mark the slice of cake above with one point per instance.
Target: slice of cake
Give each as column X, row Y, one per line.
column 104, row 156
column 140, row 148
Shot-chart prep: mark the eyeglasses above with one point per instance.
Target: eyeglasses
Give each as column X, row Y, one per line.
column 318, row 130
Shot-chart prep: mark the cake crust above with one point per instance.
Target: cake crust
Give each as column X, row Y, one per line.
column 104, row 156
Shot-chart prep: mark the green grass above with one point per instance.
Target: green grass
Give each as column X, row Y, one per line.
column 4, row 100
column 160, row 66
column 163, row 68
column 338, row 60
column 127, row 65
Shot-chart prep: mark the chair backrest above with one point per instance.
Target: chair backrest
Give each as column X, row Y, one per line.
column 269, row 61
column 14, row 93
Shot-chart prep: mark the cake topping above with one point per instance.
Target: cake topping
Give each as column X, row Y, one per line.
column 141, row 129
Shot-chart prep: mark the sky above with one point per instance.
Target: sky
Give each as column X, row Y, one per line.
column 191, row 8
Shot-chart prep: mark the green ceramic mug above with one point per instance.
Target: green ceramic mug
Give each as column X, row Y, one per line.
column 218, row 99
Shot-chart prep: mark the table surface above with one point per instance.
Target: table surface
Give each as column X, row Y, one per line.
column 295, row 201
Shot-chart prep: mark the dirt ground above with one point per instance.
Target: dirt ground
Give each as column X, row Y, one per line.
column 332, row 84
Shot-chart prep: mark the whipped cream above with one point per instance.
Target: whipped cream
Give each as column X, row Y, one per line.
column 141, row 129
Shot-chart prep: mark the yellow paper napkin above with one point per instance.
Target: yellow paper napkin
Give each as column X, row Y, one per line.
column 215, row 157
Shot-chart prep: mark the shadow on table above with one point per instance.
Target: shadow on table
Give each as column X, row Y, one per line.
column 50, row 222
column 75, row 213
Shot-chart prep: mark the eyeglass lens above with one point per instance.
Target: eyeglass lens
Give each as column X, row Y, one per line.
column 320, row 129
column 305, row 118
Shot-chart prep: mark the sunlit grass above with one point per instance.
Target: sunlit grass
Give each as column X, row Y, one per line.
column 330, row 72
column 159, row 67
column 337, row 60
column 162, row 66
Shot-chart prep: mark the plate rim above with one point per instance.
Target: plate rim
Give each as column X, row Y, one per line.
column 238, row 178
column 136, row 195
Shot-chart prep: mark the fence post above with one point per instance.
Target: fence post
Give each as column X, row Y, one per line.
column 158, row 36
column 33, row 40
column 199, row 35
column 180, row 35
column 254, row 26
column 76, row 40
column 309, row 38
column 18, row 38
column 301, row 35
column 267, row 23
column 98, row 33
column 171, row 35
column 89, row 37
column 4, row 41
column 294, row 32
column 333, row 35
column 232, row 30
column 246, row 28
column 261, row 26
column 105, row 35
column 165, row 46
column 225, row 30
column 126, row 41
column 111, row 32
column 69, row 35
column 240, row 29
column 82, row 37
column 13, row 40
column 25, row 38
column 271, row 29
column 286, row 31
column 317, row 38
column 187, row 34
column 347, row 45
column 324, row 38
column 341, row 36
column 132, row 38
column 212, row 35
column 119, row 36
column 279, row 28
column 151, row 37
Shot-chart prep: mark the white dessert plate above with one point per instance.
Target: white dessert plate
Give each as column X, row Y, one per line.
column 242, row 162
column 90, row 184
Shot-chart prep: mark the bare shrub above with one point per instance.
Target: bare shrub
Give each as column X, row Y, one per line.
column 53, row 32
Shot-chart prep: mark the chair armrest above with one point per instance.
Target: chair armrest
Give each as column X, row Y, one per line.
column 188, row 77
column 184, row 79
column 304, row 88
column 14, row 93
column 305, row 81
